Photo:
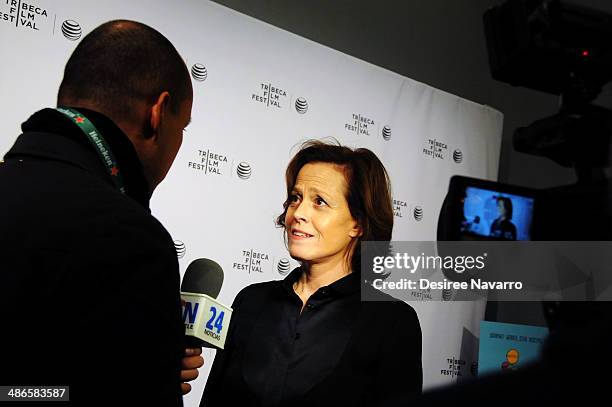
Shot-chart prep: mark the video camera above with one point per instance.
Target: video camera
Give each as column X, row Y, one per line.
column 563, row 49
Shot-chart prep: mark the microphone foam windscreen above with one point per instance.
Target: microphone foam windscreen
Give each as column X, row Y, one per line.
column 203, row 276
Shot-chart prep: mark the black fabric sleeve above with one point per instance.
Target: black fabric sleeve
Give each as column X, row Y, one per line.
column 121, row 335
column 214, row 385
column 399, row 379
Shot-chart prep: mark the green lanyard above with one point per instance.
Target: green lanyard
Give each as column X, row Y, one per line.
column 101, row 146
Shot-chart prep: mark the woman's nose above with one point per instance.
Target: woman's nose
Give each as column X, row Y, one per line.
column 300, row 214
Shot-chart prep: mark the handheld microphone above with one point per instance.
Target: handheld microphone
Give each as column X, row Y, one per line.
column 206, row 319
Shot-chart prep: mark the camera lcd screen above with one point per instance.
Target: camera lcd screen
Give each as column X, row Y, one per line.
column 496, row 215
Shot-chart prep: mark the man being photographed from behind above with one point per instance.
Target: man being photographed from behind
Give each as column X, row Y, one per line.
column 89, row 279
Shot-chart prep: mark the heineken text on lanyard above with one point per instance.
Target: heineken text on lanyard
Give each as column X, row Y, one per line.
column 101, row 146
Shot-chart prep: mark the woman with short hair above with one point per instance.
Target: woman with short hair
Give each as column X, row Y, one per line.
column 310, row 339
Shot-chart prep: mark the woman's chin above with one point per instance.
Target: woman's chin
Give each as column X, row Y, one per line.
column 297, row 256
column 300, row 255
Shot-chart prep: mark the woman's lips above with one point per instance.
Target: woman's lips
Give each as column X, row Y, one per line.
column 297, row 234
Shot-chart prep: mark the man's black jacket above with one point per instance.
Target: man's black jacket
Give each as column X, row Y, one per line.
column 89, row 280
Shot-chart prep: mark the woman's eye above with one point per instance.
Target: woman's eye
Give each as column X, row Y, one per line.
column 293, row 198
column 320, row 202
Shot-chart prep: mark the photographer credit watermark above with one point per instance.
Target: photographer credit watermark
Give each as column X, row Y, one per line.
column 495, row 271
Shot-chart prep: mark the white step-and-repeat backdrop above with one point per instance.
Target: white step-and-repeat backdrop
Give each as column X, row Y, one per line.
column 259, row 92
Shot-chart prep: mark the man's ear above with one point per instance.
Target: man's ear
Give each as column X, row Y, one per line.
column 158, row 112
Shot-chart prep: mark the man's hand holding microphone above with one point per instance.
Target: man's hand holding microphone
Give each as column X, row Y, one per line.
column 192, row 361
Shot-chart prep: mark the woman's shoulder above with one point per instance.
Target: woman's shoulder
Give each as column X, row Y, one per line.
column 383, row 304
column 263, row 289
column 256, row 291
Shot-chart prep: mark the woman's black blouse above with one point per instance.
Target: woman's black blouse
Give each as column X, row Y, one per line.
column 339, row 351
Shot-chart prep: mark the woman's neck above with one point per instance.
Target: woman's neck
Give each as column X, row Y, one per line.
column 318, row 275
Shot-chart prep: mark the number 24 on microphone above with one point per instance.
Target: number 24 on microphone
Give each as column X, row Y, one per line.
column 205, row 318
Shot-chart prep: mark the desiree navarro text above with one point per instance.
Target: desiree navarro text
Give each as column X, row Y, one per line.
column 424, row 284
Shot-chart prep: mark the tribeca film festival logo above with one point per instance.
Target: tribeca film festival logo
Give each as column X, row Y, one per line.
column 360, row 125
column 270, row 95
column 435, row 149
column 455, row 367
column 252, row 261
column 209, row 162
column 423, row 294
column 21, row 14
column 199, row 72
column 399, row 208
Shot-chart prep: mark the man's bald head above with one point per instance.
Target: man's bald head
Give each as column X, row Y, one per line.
column 135, row 76
column 123, row 64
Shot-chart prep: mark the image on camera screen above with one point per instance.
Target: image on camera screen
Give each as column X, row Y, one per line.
column 496, row 215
